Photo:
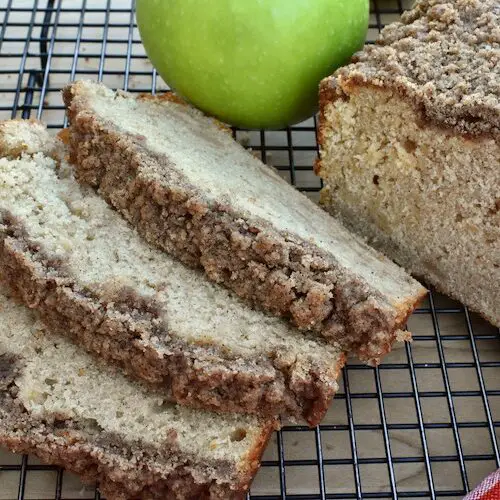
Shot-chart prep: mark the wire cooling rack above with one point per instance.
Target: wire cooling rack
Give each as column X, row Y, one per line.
column 425, row 424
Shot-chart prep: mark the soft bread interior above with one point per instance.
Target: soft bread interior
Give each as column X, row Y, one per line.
column 424, row 196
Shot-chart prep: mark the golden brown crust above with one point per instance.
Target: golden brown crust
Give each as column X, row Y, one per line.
column 406, row 309
column 252, row 463
column 342, row 87
column 164, row 96
column 328, row 93
column 63, row 136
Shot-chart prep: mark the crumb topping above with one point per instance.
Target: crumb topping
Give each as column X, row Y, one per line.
column 444, row 56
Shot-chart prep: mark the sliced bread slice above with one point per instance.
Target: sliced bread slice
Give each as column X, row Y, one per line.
column 65, row 252
column 193, row 191
column 68, row 409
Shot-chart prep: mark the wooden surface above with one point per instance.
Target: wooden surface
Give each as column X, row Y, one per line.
column 394, row 376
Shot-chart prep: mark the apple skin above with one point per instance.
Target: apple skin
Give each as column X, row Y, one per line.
column 251, row 63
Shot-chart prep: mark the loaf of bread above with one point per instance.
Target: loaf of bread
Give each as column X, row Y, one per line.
column 193, row 191
column 61, row 405
column 65, row 252
column 410, row 147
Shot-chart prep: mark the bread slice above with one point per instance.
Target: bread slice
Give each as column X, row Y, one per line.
column 193, row 191
column 410, row 147
column 66, row 253
column 61, row 405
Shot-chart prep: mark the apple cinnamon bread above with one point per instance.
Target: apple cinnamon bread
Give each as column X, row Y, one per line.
column 66, row 253
column 410, row 147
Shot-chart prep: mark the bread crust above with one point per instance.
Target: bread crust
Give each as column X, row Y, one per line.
column 260, row 264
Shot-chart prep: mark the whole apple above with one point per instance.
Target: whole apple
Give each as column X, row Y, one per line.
column 251, row 63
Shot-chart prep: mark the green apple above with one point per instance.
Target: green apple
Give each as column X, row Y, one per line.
column 251, row 63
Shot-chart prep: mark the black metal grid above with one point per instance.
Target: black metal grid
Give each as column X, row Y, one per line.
column 425, row 424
